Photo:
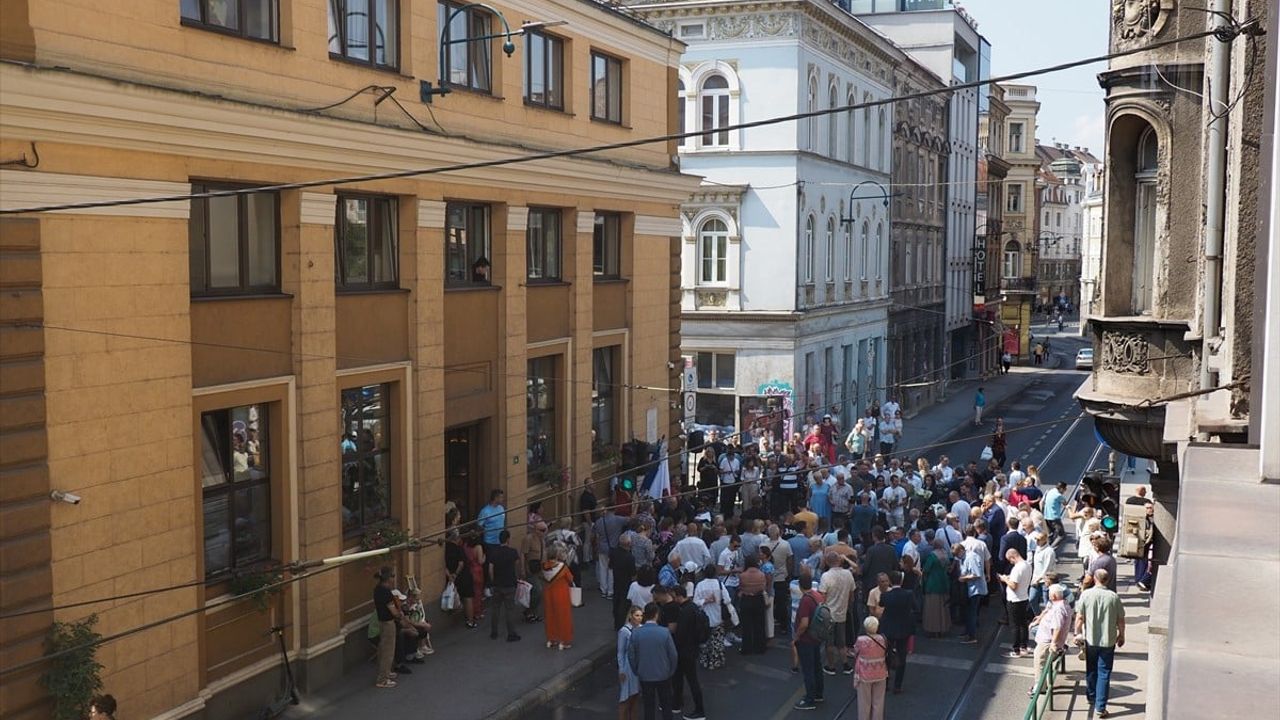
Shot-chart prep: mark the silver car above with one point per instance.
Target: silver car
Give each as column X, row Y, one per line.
column 1084, row 359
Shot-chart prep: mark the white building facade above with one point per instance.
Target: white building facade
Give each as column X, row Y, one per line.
column 945, row 39
column 785, row 262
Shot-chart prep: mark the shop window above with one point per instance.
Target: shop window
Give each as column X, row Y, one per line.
column 366, row 457
column 234, row 242
column 604, row 402
column 540, row 409
column 235, row 478
column 366, row 242
column 467, row 245
column 715, row 370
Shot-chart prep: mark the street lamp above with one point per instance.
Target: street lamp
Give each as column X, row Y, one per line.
column 425, row 89
column 884, row 193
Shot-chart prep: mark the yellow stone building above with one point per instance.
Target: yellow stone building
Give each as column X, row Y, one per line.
column 235, row 382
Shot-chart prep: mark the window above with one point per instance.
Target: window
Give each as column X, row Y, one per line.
column 713, row 241
column 1013, row 201
column 255, row 19
column 235, row 477
column 366, row 31
column 848, row 252
column 879, row 249
column 234, row 242
column 866, row 131
column 1012, row 259
column 715, row 370
column 366, row 456
column 1144, row 222
column 604, row 402
column 606, row 88
column 714, row 100
column 468, row 61
column 809, row 250
column 811, row 125
column 606, row 247
column 544, row 70
column 1015, row 137
column 681, row 113
column 851, row 130
column 540, row 408
column 866, row 243
column 366, row 242
column 543, row 237
column 831, row 249
column 880, row 130
column 466, row 238
column 833, row 124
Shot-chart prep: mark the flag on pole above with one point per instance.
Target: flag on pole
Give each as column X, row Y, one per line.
column 657, row 481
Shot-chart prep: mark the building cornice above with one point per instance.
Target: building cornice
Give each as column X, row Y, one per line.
column 54, row 106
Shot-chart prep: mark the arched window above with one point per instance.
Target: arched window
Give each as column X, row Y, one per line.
column 852, row 130
column 811, row 125
column 866, row 131
column 848, row 252
column 714, row 100
column 879, row 249
column 880, row 131
column 808, row 250
column 833, row 124
column 1144, row 221
column 713, row 252
column 1012, row 259
column 681, row 112
column 831, row 249
column 866, row 242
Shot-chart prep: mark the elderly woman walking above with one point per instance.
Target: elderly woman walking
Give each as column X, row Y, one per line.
column 557, row 606
column 870, row 671
column 935, row 568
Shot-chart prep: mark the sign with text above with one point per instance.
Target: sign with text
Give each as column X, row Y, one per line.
column 979, row 272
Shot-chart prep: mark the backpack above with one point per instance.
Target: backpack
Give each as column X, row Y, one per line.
column 822, row 625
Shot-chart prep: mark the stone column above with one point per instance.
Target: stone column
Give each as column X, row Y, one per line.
column 423, row 276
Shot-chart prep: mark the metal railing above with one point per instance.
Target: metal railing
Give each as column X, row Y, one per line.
column 1044, row 686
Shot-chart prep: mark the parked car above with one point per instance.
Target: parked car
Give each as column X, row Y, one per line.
column 1084, row 359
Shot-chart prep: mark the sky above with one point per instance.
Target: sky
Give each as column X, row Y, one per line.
column 1027, row 34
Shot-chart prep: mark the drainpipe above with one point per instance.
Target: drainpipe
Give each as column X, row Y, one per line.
column 1219, row 79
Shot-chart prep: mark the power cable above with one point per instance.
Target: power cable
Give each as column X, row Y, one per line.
column 1222, row 34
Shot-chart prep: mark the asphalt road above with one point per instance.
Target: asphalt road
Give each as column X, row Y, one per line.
column 945, row 680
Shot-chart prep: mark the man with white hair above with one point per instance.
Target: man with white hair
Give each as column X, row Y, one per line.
column 1052, row 628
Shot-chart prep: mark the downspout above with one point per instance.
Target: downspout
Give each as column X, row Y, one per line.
column 1219, row 80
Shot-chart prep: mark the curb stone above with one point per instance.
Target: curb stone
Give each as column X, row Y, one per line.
column 551, row 688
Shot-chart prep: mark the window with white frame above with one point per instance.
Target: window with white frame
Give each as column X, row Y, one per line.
column 831, row 249
column 848, row 252
column 681, row 113
column 852, row 130
column 1013, row 201
column 811, row 126
column 880, row 131
column 879, row 249
column 866, row 131
column 715, row 370
column 833, row 124
column 866, row 241
column 1012, row 259
column 713, row 100
column 808, row 249
column 713, row 252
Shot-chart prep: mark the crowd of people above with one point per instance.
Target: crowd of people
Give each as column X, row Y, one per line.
column 828, row 547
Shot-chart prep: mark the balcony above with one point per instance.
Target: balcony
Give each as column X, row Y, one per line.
column 1018, row 284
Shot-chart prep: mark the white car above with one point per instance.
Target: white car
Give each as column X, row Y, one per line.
column 1084, row 359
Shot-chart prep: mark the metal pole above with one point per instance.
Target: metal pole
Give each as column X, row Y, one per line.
column 1218, row 77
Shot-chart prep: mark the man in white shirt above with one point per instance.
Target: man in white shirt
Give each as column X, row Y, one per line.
column 961, row 509
column 780, row 554
column 912, row 547
column 943, row 470
column 1042, row 557
column 730, row 470
column 837, row 589
column 950, row 532
column 895, row 502
column 1017, row 585
column 1015, row 473
column 890, row 408
column 692, row 548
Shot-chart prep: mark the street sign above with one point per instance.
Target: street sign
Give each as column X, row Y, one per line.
column 690, row 405
column 690, row 378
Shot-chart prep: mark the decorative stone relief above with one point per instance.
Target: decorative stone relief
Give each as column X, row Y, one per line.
column 711, row 298
column 1125, row 353
column 1139, row 21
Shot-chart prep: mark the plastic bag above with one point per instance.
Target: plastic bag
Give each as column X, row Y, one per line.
column 987, row 454
column 575, row 596
column 524, row 594
column 449, row 600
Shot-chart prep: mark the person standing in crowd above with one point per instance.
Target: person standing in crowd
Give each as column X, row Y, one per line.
column 1042, row 561
column 1103, row 559
column 1053, row 626
column 652, row 656
column 898, row 623
column 979, row 404
column 780, row 554
column 687, row 644
column 388, row 612
column 730, row 467
column 1100, row 624
column 607, row 533
column 692, row 548
column 837, row 587
column 937, row 587
column 856, row 442
column 1055, row 505
column 504, row 571
column 974, row 576
column 557, row 579
column 534, row 551
column 808, row 647
column 622, row 568
column 752, row 585
column 710, row 596
column 841, row 498
column 628, row 682
column 871, row 671
column 102, row 707
column 999, row 443
column 1006, row 362
column 1017, row 585
column 708, row 477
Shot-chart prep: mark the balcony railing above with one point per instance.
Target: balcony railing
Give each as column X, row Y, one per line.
column 1024, row 284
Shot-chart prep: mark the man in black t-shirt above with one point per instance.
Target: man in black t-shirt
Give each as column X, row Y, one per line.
column 687, row 647
column 384, row 604
column 504, row 571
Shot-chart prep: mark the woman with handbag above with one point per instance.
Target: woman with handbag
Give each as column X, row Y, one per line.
column 870, row 670
column 557, row 603
column 999, row 443
column 709, row 595
column 458, row 573
column 628, row 683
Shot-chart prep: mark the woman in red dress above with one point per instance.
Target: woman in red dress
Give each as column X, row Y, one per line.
column 557, row 606
column 474, row 553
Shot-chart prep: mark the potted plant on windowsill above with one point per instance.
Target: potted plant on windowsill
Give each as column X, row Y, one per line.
column 604, row 454
column 259, row 586
column 553, row 475
column 383, row 534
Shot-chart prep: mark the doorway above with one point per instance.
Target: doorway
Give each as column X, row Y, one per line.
column 463, row 469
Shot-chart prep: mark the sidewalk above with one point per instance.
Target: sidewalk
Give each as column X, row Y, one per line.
column 470, row 676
